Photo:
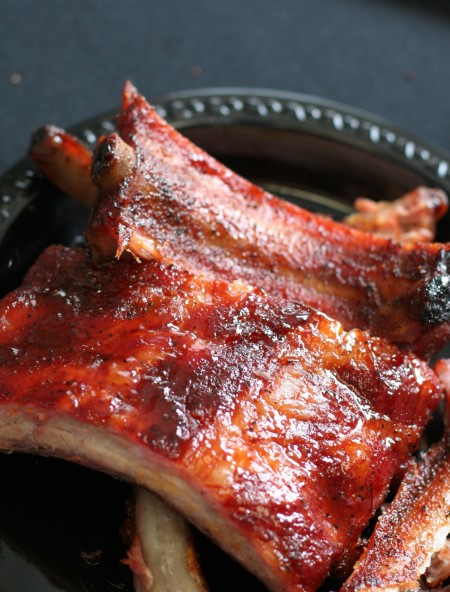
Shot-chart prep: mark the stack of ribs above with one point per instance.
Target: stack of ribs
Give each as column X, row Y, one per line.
column 262, row 369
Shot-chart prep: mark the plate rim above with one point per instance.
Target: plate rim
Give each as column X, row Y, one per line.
column 316, row 115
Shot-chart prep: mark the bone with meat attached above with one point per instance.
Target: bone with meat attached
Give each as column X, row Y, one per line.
column 65, row 161
column 107, row 178
column 410, row 219
column 409, row 541
column 259, row 419
column 409, row 547
column 410, row 214
column 180, row 205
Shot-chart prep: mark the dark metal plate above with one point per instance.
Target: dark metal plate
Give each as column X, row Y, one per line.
column 59, row 523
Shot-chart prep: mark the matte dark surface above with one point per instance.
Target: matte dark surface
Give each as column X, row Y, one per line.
column 390, row 57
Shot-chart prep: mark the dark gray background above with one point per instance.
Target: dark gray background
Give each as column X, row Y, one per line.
column 386, row 56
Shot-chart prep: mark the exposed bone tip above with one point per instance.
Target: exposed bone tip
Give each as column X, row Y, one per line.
column 44, row 140
column 113, row 161
column 129, row 94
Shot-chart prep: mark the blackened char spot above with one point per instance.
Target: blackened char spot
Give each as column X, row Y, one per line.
column 437, row 293
column 102, row 158
column 40, row 135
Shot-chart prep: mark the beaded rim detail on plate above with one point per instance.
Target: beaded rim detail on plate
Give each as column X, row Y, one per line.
column 283, row 110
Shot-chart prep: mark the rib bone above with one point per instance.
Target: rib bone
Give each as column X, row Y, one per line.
column 114, row 161
column 65, row 161
column 164, row 543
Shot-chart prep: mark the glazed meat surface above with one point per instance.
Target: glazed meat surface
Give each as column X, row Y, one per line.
column 408, row 219
column 261, row 420
column 174, row 203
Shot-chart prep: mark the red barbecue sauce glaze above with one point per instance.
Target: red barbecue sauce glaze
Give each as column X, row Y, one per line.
column 292, row 426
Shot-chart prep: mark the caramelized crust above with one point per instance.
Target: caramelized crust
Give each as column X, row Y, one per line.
column 180, row 205
column 260, row 419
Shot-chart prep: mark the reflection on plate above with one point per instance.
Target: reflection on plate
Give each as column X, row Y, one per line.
column 64, row 521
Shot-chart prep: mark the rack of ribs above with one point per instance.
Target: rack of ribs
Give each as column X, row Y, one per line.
column 163, row 198
column 259, row 419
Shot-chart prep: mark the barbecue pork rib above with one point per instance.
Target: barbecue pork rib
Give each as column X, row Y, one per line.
column 66, row 162
column 162, row 541
column 164, row 198
column 408, row 547
column 261, row 420
column 162, row 553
